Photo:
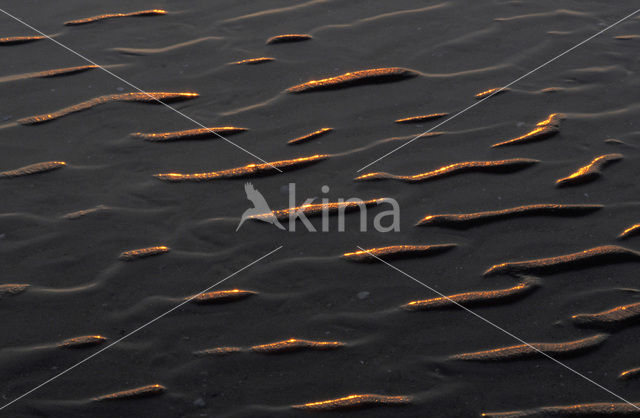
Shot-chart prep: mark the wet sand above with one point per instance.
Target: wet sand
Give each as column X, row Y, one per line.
column 79, row 191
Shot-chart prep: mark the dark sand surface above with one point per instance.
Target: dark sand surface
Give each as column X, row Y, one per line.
column 79, row 287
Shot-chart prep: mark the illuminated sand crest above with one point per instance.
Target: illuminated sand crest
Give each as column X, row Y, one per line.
column 310, row 136
column 612, row 317
column 598, row 255
column 83, row 341
column 397, row 251
column 523, row 350
column 589, row 172
column 218, row 351
column 287, row 38
column 355, row 401
column 629, row 374
column 469, row 219
column 245, row 171
column 489, row 92
column 59, row 72
column 222, row 296
column 33, row 169
column 376, row 75
column 317, row 209
column 16, row 40
column 421, row 118
column 12, row 289
column 293, row 344
column 630, row 232
column 80, row 213
column 141, row 392
column 189, row 134
column 154, row 12
column 543, row 130
column 143, row 252
column 527, row 285
column 586, row 409
column 513, row 164
column 125, row 97
column 253, row 61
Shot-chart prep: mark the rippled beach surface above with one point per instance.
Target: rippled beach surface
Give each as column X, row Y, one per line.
column 185, row 140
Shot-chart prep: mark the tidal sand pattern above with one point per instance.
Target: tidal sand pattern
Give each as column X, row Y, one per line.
column 151, row 97
column 92, row 19
column 376, row 75
column 605, row 254
column 463, row 220
column 533, row 349
column 483, row 297
column 355, row 402
column 589, row 172
column 397, row 251
column 315, row 93
column 249, row 170
column 498, row 166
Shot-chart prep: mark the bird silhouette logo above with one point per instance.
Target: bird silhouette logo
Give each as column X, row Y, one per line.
column 260, row 209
